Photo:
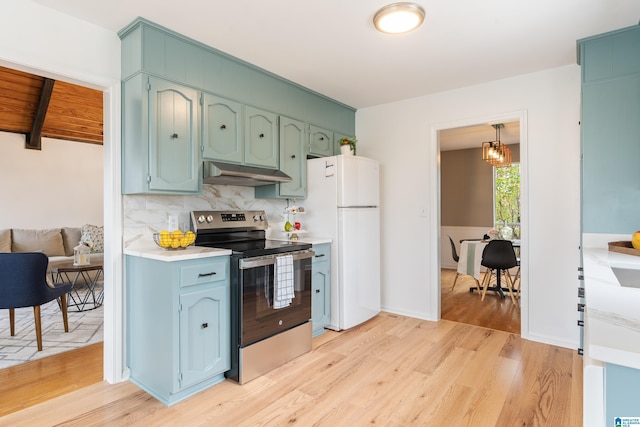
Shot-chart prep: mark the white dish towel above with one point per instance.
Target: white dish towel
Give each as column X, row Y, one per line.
column 283, row 291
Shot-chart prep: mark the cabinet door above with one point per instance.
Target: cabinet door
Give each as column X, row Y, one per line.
column 221, row 129
column 174, row 161
column 610, row 129
column 321, row 285
column 204, row 334
column 261, row 143
column 320, row 142
column 293, row 141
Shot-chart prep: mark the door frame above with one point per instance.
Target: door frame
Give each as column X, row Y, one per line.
column 435, row 220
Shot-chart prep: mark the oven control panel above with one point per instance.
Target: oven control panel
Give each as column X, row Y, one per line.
column 226, row 217
column 228, row 220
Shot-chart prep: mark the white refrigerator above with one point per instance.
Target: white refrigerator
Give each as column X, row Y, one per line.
column 343, row 198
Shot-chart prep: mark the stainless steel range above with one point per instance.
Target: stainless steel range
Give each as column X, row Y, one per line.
column 266, row 331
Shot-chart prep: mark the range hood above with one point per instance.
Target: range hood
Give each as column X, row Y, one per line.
column 247, row 176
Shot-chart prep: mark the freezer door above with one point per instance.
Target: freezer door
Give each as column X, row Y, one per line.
column 358, row 265
column 358, row 181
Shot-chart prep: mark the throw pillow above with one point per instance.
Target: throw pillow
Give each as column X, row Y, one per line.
column 93, row 235
column 5, row 240
column 71, row 236
column 48, row 241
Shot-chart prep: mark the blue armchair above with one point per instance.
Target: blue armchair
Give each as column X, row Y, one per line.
column 23, row 283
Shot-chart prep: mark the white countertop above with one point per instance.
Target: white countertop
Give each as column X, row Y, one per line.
column 306, row 239
column 612, row 315
column 160, row 254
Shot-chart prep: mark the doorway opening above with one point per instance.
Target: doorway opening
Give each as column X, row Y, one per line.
column 466, row 206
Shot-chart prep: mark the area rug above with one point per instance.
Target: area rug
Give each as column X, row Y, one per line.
column 85, row 328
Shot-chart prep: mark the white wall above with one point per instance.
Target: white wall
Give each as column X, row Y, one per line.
column 401, row 135
column 60, row 185
column 40, row 40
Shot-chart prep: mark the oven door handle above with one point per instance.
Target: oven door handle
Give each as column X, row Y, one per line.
column 261, row 261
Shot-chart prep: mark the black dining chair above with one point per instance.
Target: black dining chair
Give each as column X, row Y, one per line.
column 456, row 258
column 23, row 283
column 498, row 257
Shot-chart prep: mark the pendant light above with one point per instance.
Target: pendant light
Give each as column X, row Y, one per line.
column 397, row 18
column 496, row 153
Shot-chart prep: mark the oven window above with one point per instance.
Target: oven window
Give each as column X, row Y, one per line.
column 259, row 318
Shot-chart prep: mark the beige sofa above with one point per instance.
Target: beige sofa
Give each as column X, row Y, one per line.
column 56, row 243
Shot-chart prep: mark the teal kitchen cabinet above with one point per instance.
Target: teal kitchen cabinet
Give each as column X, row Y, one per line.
column 160, row 147
column 622, row 393
column 148, row 48
column 293, row 161
column 261, row 138
column 178, row 325
column 610, row 67
column 320, row 142
column 321, row 288
column 222, row 129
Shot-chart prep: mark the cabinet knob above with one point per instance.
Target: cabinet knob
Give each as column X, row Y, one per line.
column 322, row 138
column 317, row 291
column 223, row 126
column 293, row 156
column 174, row 136
column 204, row 325
column 261, row 135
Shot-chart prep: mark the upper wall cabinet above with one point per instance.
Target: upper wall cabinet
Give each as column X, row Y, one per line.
column 261, row 138
column 610, row 65
column 155, row 50
column 320, row 142
column 221, row 129
column 160, row 138
column 293, row 161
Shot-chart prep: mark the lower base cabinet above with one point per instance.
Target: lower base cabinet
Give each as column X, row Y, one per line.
column 178, row 325
column 622, row 395
column 321, row 288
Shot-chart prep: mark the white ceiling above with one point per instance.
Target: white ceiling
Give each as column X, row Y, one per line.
column 330, row 46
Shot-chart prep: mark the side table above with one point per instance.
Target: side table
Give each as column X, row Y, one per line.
column 69, row 273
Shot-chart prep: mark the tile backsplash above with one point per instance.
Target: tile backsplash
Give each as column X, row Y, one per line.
column 148, row 214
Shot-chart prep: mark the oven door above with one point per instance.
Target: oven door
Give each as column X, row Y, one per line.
column 259, row 318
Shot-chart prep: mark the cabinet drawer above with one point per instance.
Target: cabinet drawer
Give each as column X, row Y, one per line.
column 203, row 273
column 322, row 251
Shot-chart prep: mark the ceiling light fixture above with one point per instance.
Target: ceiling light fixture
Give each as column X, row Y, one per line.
column 397, row 18
column 496, row 153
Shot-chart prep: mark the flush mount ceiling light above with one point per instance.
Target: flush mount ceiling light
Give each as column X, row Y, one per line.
column 496, row 153
column 398, row 18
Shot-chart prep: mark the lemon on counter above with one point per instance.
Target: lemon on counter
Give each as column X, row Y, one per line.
column 635, row 240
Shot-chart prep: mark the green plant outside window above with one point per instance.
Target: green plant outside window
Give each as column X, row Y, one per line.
column 507, row 197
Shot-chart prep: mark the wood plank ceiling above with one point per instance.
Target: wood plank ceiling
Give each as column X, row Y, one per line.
column 39, row 107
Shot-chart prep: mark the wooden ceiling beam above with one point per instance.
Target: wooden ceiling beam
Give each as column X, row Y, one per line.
column 34, row 138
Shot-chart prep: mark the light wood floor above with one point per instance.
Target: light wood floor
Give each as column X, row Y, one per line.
column 463, row 306
column 391, row 371
column 30, row 383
